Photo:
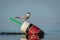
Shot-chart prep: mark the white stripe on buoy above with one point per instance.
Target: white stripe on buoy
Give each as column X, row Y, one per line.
column 24, row 26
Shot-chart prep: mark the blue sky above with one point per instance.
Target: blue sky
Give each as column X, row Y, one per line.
column 44, row 13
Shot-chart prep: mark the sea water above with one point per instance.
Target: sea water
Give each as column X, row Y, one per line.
column 51, row 33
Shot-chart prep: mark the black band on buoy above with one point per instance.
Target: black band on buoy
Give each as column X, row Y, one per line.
column 28, row 28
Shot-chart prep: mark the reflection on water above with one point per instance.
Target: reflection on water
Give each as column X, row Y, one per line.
column 31, row 37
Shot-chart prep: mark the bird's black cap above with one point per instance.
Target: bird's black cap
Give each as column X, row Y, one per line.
column 28, row 13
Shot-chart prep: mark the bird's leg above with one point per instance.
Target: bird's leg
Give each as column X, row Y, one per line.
column 24, row 19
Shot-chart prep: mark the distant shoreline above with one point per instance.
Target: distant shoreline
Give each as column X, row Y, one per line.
column 11, row 33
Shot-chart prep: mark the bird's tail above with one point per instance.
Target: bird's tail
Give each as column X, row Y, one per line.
column 17, row 17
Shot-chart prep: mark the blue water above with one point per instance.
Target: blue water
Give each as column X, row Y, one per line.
column 52, row 34
column 48, row 36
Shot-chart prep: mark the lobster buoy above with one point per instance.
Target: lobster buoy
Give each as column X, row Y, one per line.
column 30, row 28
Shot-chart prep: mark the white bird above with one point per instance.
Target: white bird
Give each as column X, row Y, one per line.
column 25, row 17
